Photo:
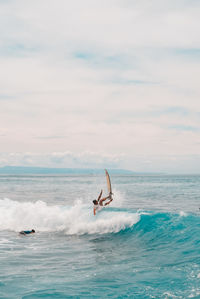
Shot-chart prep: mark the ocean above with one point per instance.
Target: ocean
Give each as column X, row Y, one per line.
column 145, row 244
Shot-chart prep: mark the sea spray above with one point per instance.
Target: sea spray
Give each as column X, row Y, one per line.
column 77, row 219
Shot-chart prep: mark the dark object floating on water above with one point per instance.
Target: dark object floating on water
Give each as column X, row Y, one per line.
column 27, row 232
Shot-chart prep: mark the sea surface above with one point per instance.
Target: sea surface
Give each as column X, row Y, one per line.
column 145, row 244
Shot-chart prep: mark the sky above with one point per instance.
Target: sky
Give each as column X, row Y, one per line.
column 106, row 84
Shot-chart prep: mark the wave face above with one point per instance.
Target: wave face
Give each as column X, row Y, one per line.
column 155, row 228
column 79, row 219
column 170, row 235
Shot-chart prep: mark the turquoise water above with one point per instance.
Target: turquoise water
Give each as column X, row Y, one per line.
column 144, row 245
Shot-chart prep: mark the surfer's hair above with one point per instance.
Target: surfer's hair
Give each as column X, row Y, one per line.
column 95, row 202
column 33, row 231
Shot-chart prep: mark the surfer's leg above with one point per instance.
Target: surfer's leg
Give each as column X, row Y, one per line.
column 102, row 200
column 107, row 203
column 22, row 233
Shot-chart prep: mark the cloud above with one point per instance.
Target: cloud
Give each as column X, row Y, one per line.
column 94, row 76
column 184, row 128
column 6, row 97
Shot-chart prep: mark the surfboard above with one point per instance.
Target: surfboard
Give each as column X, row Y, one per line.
column 108, row 183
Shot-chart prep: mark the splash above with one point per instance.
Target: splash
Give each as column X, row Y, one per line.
column 183, row 214
column 77, row 219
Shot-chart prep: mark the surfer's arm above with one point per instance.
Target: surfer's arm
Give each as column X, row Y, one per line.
column 94, row 211
column 100, row 195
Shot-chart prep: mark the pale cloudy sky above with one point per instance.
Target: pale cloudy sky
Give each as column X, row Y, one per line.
column 100, row 83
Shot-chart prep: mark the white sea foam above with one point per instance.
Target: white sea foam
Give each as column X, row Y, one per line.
column 118, row 198
column 78, row 219
column 182, row 214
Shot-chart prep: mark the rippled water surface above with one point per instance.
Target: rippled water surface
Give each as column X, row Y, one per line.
column 144, row 245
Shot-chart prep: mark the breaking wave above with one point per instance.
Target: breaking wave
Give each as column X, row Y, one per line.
column 77, row 219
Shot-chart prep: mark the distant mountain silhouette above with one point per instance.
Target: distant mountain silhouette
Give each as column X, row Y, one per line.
column 46, row 170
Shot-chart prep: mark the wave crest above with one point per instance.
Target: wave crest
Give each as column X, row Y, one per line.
column 78, row 219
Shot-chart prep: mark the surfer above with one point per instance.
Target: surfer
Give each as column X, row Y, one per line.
column 100, row 202
column 27, row 232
